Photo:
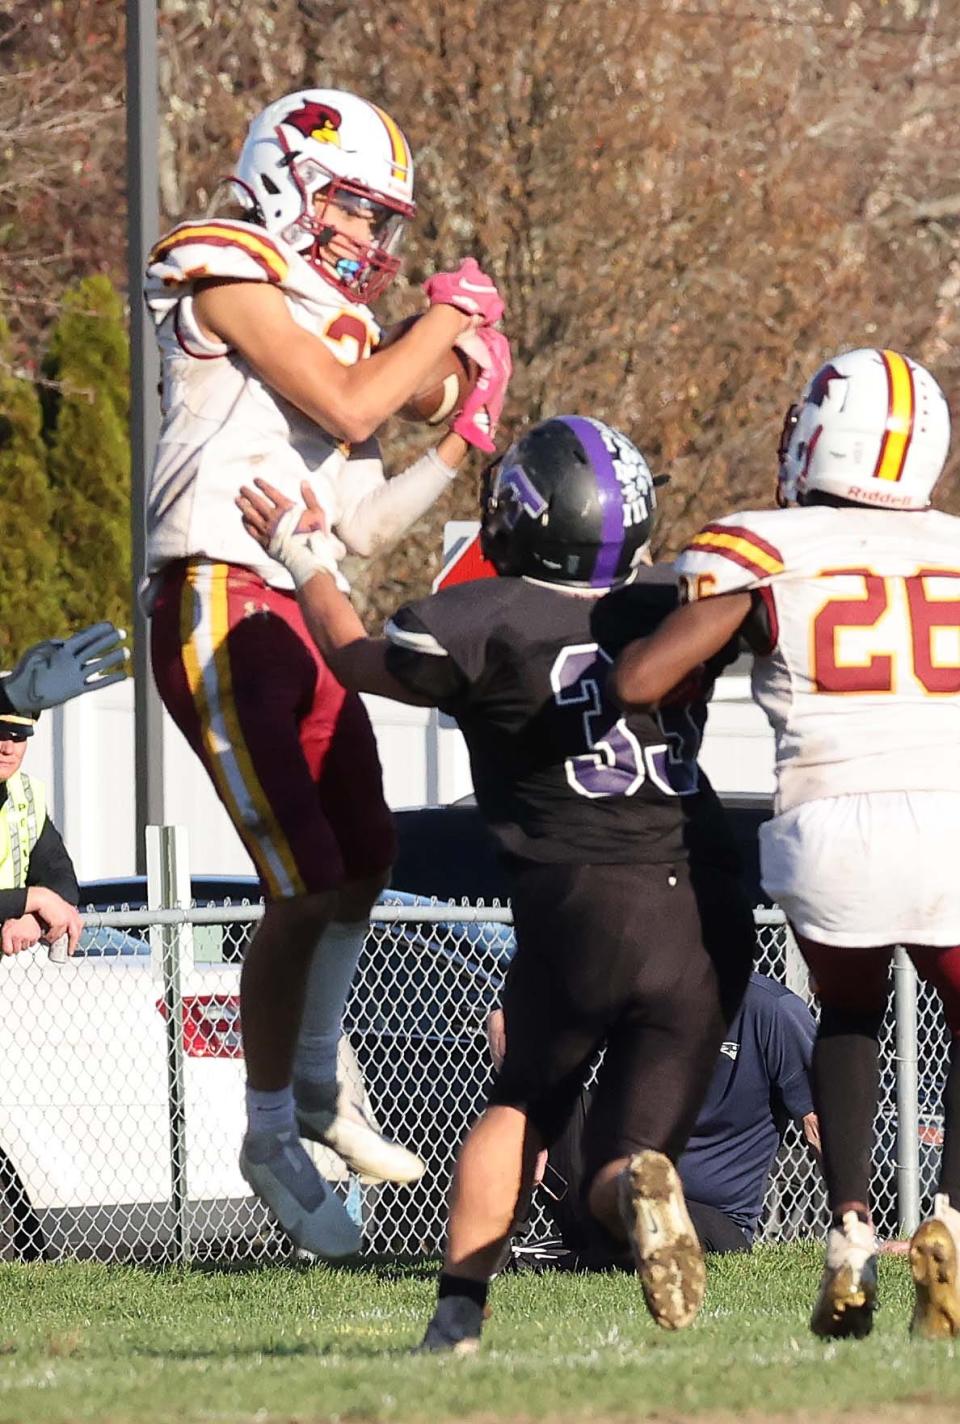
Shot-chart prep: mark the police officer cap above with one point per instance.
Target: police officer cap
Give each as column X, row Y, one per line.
column 15, row 727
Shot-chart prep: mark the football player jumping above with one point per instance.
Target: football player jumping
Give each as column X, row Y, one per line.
column 624, row 937
column 851, row 602
column 270, row 365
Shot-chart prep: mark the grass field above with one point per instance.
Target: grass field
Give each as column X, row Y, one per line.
column 129, row 1346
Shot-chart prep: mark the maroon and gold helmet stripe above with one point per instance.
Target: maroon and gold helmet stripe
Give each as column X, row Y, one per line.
column 401, row 162
column 901, row 413
column 741, row 546
column 258, row 246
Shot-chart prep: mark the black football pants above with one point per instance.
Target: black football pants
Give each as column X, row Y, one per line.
column 650, row 961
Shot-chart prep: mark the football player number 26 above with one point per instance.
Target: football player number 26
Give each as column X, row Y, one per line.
column 614, row 763
column 929, row 601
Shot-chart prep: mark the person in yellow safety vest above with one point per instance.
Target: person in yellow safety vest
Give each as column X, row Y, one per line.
column 38, row 885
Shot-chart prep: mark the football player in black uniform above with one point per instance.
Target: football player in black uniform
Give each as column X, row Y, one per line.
column 622, row 940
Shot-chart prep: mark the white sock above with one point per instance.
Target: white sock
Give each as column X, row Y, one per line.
column 329, row 979
column 270, row 1112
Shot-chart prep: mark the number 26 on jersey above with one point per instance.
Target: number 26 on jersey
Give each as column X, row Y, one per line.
column 886, row 630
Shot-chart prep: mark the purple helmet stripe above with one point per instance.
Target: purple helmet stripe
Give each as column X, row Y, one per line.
column 611, row 499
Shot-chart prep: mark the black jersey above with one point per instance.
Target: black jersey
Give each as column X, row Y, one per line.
column 560, row 773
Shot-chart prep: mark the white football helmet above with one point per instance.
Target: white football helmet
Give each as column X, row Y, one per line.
column 872, row 427
column 325, row 140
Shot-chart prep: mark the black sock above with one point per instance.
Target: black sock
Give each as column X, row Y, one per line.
column 460, row 1285
column 845, row 1073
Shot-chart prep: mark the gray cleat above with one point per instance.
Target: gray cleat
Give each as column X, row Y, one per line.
column 285, row 1178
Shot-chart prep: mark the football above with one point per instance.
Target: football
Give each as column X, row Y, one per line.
column 445, row 388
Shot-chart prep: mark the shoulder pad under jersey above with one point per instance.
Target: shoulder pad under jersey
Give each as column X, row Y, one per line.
column 732, row 554
column 216, row 248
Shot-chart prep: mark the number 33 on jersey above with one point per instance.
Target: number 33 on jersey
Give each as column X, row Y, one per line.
column 862, row 650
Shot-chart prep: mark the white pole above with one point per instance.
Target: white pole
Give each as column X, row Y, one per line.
column 796, row 975
column 168, row 888
column 143, row 220
column 908, row 1088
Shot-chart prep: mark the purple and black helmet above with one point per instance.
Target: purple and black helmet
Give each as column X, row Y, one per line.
column 571, row 502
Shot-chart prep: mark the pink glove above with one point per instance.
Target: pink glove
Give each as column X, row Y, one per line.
column 477, row 422
column 468, row 289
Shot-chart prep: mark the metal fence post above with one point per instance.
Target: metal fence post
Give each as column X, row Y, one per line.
column 908, row 1088
column 168, row 887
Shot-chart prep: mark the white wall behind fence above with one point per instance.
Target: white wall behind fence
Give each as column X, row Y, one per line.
column 85, row 754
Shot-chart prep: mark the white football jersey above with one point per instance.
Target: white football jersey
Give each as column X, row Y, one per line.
column 861, row 679
column 221, row 425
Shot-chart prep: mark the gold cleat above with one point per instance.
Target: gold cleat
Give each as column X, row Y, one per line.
column 666, row 1251
column 848, row 1287
column 933, row 1264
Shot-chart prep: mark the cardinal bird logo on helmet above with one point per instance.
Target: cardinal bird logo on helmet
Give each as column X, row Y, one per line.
column 317, row 121
column 820, row 385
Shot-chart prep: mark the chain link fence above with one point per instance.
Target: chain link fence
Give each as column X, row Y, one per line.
column 122, row 1107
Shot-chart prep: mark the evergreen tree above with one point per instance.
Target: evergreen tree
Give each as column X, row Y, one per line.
column 30, row 608
column 89, row 453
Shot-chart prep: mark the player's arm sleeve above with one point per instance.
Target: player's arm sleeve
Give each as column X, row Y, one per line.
column 376, row 511
column 790, row 1039
column 51, row 866
column 418, row 660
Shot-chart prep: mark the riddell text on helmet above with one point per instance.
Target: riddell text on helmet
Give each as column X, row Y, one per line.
column 870, row 496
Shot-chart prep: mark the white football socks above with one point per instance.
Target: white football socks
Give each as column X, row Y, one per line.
column 329, row 979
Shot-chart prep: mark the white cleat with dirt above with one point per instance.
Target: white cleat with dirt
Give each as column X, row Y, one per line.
column 285, row 1178
column 934, row 1256
column 848, row 1286
column 328, row 1113
column 666, row 1250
